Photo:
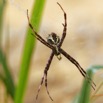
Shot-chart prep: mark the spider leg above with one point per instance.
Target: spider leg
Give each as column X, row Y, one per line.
column 46, row 72
column 37, row 35
column 42, row 80
column 33, row 28
column 82, row 71
column 64, row 25
column 51, row 47
column 45, row 77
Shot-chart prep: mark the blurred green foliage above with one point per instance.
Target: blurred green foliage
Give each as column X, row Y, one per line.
column 6, row 77
column 2, row 7
column 85, row 94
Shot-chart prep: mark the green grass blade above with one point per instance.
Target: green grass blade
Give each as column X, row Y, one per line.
column 7, row 78
column 84, row 96
column 2, row 6
column 86, row 90
column 28, row 50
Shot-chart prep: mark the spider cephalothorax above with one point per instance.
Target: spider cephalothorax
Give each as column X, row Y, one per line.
column 54, row 40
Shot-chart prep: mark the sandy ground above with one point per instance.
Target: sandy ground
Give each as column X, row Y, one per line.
column 84, row 41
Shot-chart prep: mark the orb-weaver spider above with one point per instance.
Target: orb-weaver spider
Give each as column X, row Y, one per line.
column 54, row 43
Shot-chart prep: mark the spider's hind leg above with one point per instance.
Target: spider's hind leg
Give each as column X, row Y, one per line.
column 45, row 77
column 42, row 80
column 46, row 72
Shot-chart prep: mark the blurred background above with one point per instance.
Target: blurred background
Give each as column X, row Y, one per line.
column 84, row 42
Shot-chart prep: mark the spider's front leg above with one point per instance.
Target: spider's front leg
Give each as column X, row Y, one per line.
column 45, row 77
column 64, row 25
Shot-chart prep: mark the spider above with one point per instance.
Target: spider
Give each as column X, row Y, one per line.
column 54, row 43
